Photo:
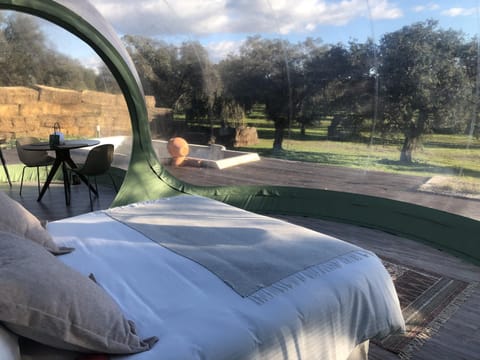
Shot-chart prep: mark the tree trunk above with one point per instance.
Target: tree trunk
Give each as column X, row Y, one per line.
column 278, row 138
column 302, row 129
column 412, row 138
column 407, row 149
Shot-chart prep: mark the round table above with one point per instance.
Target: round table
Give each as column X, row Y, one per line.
column 62, row 158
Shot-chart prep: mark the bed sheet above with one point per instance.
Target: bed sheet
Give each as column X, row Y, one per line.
column 197, row 316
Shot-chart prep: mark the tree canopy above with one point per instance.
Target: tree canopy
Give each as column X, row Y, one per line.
column 26, row 59
column 424, row 81
column 268, row 72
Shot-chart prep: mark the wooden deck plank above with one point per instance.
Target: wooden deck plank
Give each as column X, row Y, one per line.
column 52, row 206
column 317, row 176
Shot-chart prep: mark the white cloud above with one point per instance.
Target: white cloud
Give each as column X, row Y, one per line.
column 382, row 9
column 205, row 17
column 92, row 62
column 310, row 27
column 167, row 17
column 427, row 7
column 219, row 50
column 213, row 21
column 457, row 11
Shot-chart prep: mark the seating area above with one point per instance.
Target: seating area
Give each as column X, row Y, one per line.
column 28, row 170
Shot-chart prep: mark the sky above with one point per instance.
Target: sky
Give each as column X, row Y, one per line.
column 222, row 25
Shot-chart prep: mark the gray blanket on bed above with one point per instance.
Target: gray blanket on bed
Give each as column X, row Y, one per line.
column 247, row 251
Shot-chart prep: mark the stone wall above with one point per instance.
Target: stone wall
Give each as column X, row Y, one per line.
column 33, row 111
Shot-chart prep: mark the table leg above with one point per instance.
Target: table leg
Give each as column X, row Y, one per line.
column 66, row 184
column 50, row 176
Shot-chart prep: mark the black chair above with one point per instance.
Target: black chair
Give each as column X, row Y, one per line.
column 32, row 158
column 98, row 162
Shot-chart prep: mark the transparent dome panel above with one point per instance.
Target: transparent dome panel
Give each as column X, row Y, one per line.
column 370, row 97
column 49, row 77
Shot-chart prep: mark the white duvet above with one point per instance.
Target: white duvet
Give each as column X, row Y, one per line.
column 196, row 315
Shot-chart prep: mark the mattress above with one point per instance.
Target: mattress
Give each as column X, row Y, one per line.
column 196, row 314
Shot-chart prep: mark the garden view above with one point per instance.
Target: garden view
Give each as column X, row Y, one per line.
column 407, row 103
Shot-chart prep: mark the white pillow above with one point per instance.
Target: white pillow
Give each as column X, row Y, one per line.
column 9, row 349
column 17, row 220
column 45, row 300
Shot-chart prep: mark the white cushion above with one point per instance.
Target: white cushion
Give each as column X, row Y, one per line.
column 17, row 220
column 45, row 300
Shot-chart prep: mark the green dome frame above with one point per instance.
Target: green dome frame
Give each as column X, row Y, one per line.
column 147, row 179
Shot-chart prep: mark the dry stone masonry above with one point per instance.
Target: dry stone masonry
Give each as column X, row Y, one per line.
column 32, row 111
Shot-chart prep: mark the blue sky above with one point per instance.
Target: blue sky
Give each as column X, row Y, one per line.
column 221, row 25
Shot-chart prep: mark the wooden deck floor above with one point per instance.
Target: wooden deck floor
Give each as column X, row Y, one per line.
column 310, row 175
column 459, row 337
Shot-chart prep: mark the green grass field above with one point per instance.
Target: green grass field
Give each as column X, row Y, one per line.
column 455, row 157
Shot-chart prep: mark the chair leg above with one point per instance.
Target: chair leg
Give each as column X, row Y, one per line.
column 38, row 179
column 90, row 195
column 21, row 181
column 113, row 182
column 96, row 186
column 46, row 175
column 5, row 167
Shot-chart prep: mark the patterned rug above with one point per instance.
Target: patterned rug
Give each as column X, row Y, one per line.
column 427, row 300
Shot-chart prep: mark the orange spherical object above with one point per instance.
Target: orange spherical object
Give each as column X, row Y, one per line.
column 178, row 149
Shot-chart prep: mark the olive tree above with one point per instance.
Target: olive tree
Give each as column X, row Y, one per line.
column 269, row 72
column 422, row 79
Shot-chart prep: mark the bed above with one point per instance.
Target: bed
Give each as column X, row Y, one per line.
column 201, row 279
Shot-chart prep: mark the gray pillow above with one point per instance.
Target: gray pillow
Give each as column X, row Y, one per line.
column 45, row 300
column 18, row 220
